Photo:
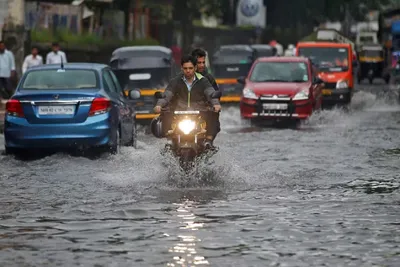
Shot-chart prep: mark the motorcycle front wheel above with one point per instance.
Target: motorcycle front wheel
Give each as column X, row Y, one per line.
column 186, row 159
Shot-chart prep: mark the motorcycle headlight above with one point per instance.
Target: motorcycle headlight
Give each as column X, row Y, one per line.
column 341, row 85
column 302, row 95
column 186, row 126
column 248, row 93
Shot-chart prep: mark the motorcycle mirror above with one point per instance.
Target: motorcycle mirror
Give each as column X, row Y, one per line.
column 134, row 94
column 241, row 80
column 318, row 80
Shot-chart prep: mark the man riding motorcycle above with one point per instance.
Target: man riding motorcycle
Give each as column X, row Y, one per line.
column 200, row 55
column 193, row 90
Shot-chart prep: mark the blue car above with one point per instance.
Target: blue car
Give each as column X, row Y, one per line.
column 75, row 105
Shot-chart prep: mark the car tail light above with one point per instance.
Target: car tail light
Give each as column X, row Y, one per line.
column 14, row 108
column 100, row 105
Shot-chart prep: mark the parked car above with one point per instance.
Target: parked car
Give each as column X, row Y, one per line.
column 76, row 105
column 280, row 88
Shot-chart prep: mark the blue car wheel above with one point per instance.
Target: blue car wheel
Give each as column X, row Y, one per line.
column 115, row 146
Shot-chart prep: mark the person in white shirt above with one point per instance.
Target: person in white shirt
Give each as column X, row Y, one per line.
column 56, row 56
column 7, row 71
column 31, row 60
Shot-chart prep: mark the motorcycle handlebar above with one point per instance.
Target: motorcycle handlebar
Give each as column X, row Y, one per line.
column 209, row 109
column 212, row 109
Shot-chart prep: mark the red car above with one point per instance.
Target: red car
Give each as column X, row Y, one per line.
column 279, row 88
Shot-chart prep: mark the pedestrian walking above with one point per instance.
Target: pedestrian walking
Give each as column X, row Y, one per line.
column 7, row 71
column 56, row 56
column 34, row 59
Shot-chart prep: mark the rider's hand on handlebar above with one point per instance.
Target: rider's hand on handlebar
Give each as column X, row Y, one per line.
column 217, row 108
column 157, row 109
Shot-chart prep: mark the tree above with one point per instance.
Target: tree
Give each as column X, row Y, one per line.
column 185, row 11
column 335, row 10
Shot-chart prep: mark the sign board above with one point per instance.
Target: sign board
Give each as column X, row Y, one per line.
column 251, row 12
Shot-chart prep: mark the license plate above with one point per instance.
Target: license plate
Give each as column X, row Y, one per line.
column 326, row 92
column 275, row 106
column 56, row 110
column 139, row 104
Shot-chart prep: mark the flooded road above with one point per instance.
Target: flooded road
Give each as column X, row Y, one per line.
column 326, row 194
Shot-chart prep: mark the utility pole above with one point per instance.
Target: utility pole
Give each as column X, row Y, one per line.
column 3, row 15
column 16, row 12
column 231, row 11
column 347, row 20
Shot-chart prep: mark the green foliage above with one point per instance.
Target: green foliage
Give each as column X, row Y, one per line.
column 310, row 38
column 357, row 8
column 42, row 35
column 66, row 36
column 144, row 41
column 69, row 38
column 189, row 10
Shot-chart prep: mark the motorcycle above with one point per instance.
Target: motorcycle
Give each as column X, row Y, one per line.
column 187, row 135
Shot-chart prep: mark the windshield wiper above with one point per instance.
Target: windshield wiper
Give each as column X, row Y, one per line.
column 270, row 80
column 298, row 81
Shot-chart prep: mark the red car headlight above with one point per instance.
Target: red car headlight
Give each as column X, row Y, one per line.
column 248, row 93
column 302, row 95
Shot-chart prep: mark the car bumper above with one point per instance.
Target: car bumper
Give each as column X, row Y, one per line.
column 336, row 95
column 298, row 109
column 95, row 131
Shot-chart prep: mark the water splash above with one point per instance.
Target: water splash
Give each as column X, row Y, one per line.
column 230, row 119
column 384, row 100
column 217, row 170
column 363, row 103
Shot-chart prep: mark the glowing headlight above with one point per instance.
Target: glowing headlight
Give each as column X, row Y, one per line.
column 248, row 93
column 186, row 126
column 341, row 85
column 302, row 95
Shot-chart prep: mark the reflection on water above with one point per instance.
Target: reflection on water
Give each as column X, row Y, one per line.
column 375, row 186
column 185, row 253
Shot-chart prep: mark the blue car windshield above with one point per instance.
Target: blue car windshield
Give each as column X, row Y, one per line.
column 60, row 79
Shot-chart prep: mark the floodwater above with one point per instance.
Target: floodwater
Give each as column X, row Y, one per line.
column 326, row 194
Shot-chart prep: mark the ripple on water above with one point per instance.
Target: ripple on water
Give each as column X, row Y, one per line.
column 323, row 195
